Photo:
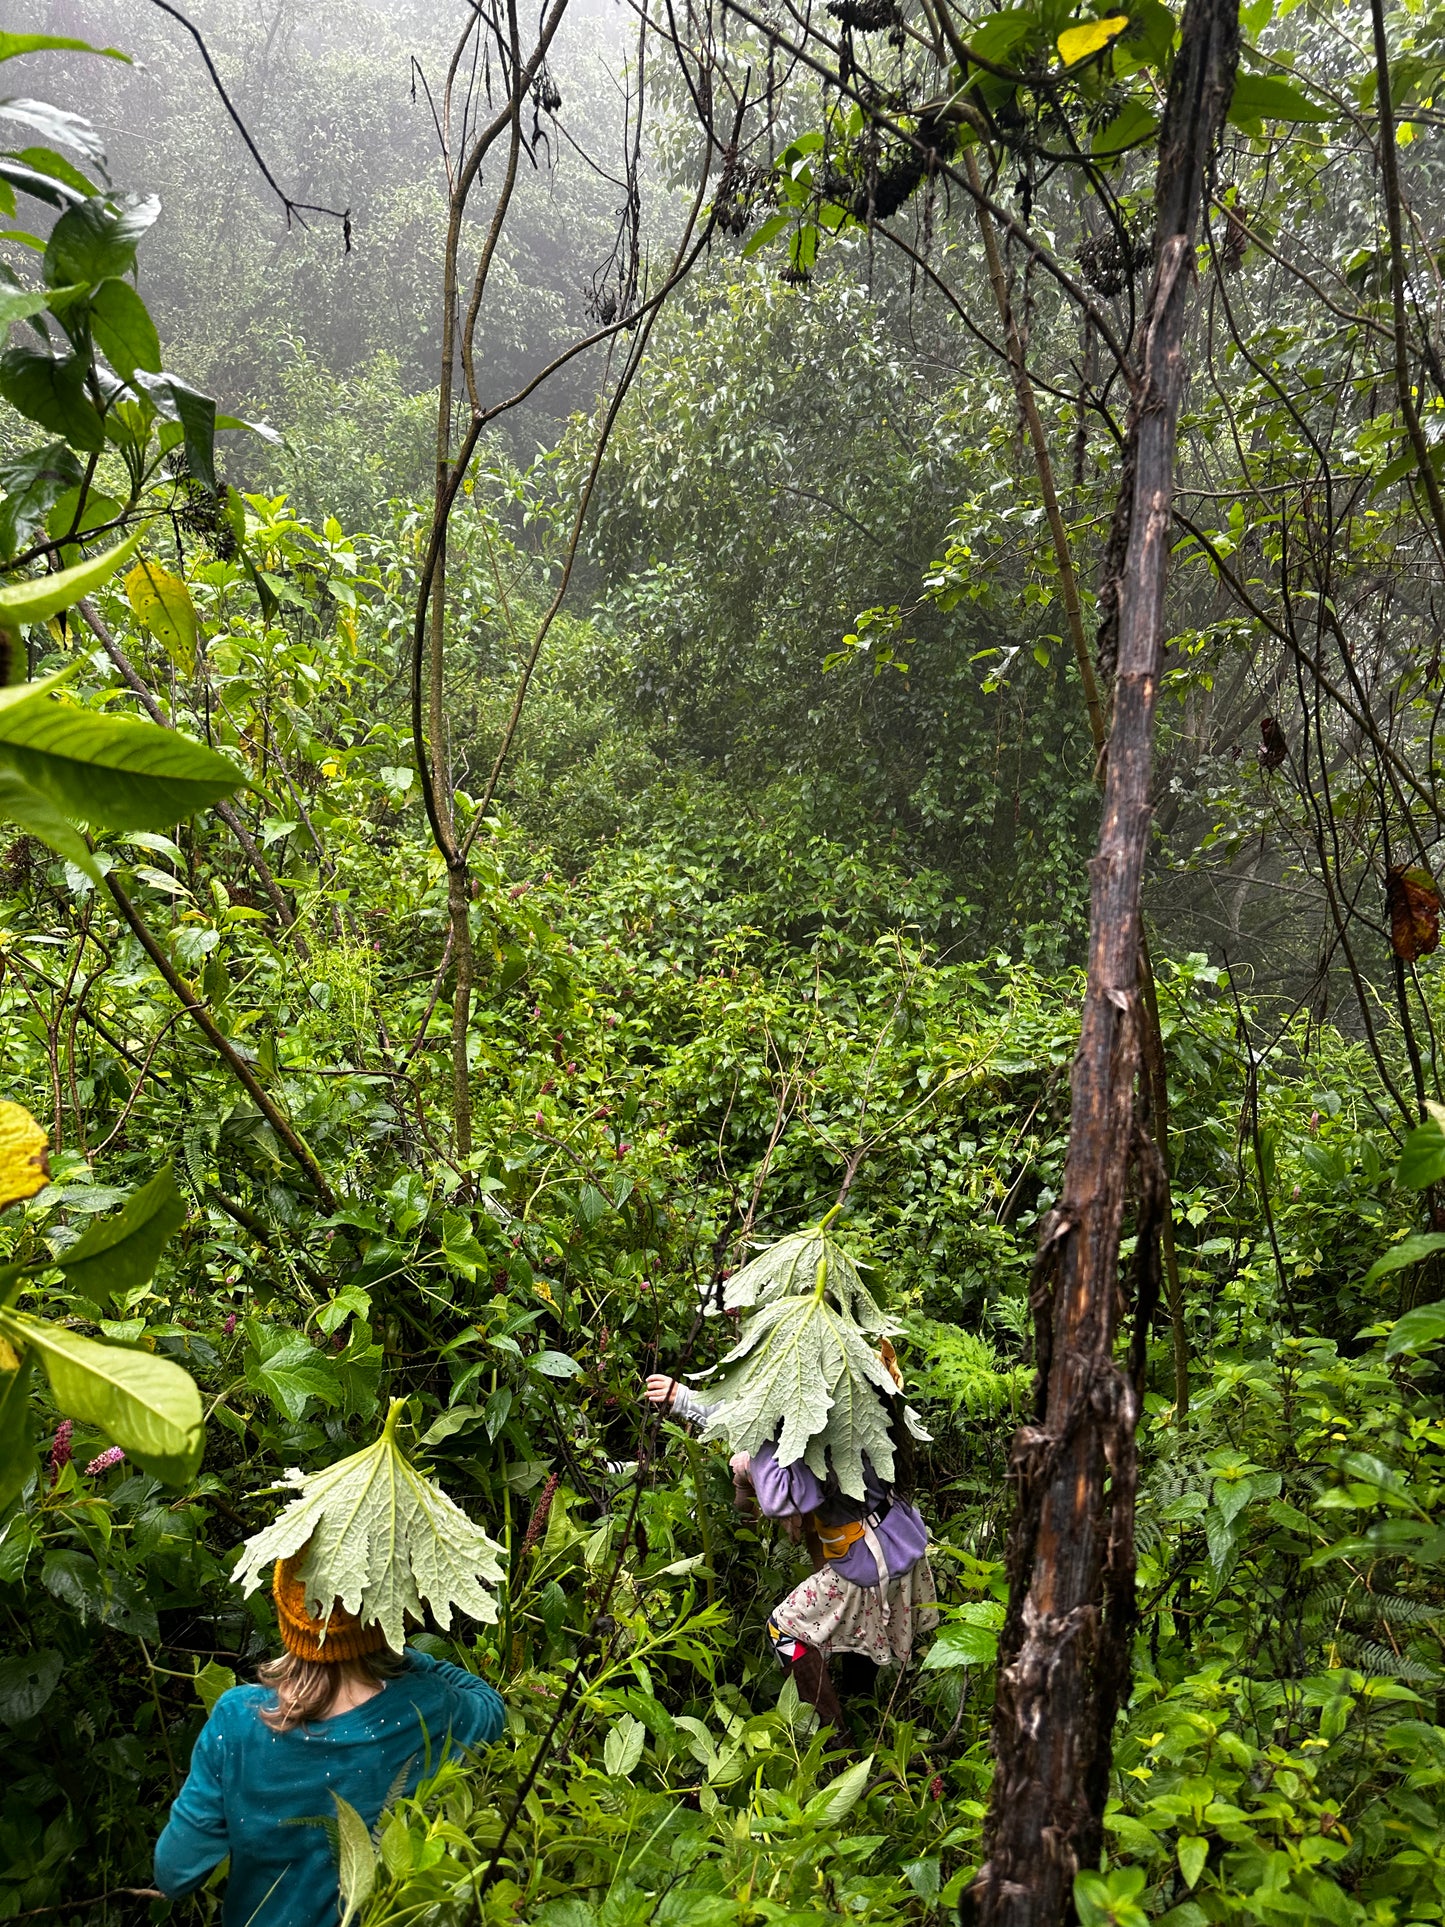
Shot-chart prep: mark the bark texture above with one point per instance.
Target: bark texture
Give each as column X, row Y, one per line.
column 1064, row 1652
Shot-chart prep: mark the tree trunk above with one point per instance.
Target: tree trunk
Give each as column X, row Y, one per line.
column 1064, row 1652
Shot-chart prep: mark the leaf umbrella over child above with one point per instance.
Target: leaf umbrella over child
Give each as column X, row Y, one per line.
column 348, row 1716
column 810, row 1398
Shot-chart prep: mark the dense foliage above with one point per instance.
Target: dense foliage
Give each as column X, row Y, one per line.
column 777, row 907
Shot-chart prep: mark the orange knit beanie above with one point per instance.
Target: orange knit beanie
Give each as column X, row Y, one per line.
column 340, row 1638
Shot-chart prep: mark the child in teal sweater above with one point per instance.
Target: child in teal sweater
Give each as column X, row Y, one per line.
column 339, row 1714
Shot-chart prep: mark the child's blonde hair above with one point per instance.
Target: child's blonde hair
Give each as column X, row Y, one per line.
column 306, row 1689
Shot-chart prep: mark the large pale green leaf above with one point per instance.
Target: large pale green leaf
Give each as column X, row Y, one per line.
column 147, row 1405
column 117, row 1253
column 383, row 1540
column 38, row 597
column 791, row 1266
column 116, row 772
column 804, row 1373
column 17, row 1439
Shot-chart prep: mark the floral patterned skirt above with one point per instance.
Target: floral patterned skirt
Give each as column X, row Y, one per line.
column 835, row 1616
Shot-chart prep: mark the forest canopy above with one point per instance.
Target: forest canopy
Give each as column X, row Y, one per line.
column 749, row 694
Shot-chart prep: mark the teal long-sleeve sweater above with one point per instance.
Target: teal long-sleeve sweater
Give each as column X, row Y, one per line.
column 250, row 1792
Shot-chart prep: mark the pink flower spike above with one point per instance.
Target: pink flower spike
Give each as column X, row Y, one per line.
column 60, row 1448
column 103, row 1461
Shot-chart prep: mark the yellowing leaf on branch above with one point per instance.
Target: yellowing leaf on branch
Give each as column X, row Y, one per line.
column 162, row 604
column 23, row 1144
column 1077, row 43
column 381, row 1539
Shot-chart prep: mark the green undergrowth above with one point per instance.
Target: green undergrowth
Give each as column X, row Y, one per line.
column 682, row 1038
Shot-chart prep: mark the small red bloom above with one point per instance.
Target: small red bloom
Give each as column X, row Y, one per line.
column 935, row 1787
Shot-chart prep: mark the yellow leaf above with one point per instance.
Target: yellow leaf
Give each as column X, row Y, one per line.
column 1077, row 43
column 162, row 604
column 9, row 1357
column 23, row 1144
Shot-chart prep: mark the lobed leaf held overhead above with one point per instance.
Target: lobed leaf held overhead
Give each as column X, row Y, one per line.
column 806, row 1371
column 383, row 1540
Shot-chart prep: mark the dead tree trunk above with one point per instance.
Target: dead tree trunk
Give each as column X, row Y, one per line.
column 1064, row 1653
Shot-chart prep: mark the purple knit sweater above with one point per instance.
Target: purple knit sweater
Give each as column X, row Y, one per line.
column 783, row 1489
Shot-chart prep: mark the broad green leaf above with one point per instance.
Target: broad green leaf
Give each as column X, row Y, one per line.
column 1409, row 1251
column 1425, row 1325
column 12, row 44
column 966, row 1642
column 98, row 238
column 458, row 1419
column 211, row 1681
column 1077, row 43
column 287, row 1368
column 1193, row 1852
column 77, row 516
column 804, row 1373
column 37, row 598
column 112, row 771
column 123, row 329
column 382, row 1540
column 103, row 1593
column 26, row 1683
column 56, row 124
column 1422, row 1162
column 356, row 1860
column 623, row 1747
column 162, row 604
column 33, row 483
column 775, row 225
column 146, row 1405
column 116, row 1254
column 51, row 390
column 45, row 160
column 18, row 304
column 1259, row 97
column 925, row 1877
column 195, row 414
column 555, row 1365
column 17, row 1437
column 1111, row 1899
column 1130, row 127
column 831, row 1806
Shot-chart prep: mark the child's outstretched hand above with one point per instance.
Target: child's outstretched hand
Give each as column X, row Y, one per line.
column 659, row 1389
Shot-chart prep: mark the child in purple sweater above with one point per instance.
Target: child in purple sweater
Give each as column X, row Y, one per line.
column 870, row 1593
